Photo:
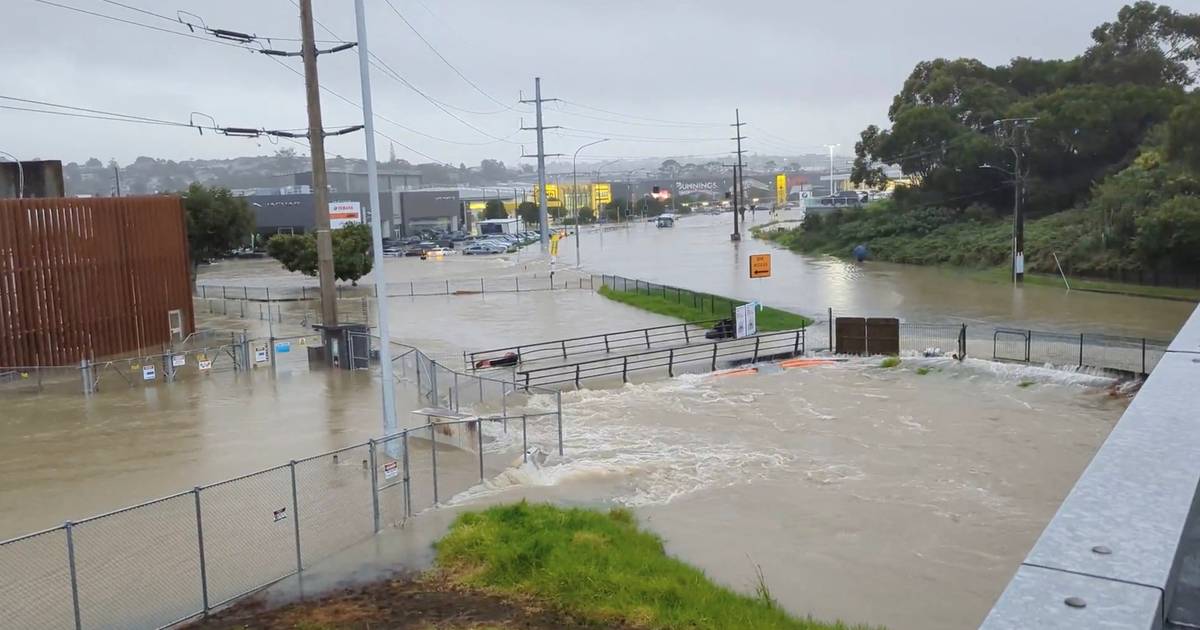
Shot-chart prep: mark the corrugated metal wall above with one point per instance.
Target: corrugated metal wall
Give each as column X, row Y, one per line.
column 83, row 278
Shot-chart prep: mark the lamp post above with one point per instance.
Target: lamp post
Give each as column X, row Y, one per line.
column 831, row 147
column 575, row 195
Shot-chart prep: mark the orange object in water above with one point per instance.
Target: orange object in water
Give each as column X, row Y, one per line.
column 737, row 372
column 799, row 363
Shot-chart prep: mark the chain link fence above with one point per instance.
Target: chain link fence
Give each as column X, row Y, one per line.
column 175, row 558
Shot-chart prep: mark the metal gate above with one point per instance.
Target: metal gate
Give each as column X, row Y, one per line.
column 868, row 336
column 1010, row 345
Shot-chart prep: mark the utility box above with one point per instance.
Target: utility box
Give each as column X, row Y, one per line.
column 345, row 346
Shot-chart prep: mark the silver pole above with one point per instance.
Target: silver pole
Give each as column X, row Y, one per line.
column 296, row 517
column 74, row 576
column 374, row 487
column 575, row 196
column 560, row 434
column 200, row 542
column 433, row 455
column 390, row 425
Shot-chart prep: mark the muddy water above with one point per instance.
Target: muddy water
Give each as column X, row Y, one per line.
column 697, row 254
column 865, row 494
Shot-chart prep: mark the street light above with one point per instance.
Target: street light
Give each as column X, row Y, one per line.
column 831, row 147
column 575, row 195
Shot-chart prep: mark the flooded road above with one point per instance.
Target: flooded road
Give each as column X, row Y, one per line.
column 697, row 254
column 896, row 497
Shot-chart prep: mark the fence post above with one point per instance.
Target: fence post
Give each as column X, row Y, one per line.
column 481, row 286
column 433, row 456
column 204, row 291
column 756, row 342
column 714, row 358
column 457, row 397
column 671, row 363
column 296, row 517
column 85, row 374
column 447, row 287
column 1080, row 349
column 223, row 295
column 411, row 291
column 200, row 543
column 524, row 440
column 625, row 369
column 796, row 345
column 564, row 348
column 1028, row 344
column 518, row 279
column 577, row 375
column 74, row 577
column 374, row 486
column 647, row 331
column 479, row 435
column 1144, row 356
column 832, row 346
column 407, row 478
column 606, row 343
column 686, row 337
column 558, row 401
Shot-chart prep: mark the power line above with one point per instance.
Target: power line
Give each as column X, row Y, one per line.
column 178, row 19
column 446, row 61
column 636, row 138
column 141, row 24
column 657, row 120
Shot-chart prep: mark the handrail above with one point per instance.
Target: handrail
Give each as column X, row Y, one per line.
column 560, row 349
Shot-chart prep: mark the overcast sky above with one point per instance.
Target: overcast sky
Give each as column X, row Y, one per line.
column 803, row 73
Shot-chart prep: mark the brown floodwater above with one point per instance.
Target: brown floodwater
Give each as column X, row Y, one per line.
column 873, row 495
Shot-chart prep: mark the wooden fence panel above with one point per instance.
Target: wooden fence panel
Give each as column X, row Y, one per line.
column 90, row 278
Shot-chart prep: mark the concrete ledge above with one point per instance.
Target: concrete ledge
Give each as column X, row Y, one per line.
column 1036, row 598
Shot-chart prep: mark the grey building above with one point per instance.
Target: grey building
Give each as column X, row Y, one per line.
column 356, row 182
column 402, row 212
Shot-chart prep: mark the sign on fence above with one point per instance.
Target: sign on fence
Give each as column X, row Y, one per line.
column 260, row 354
column 390, row 470
column 204, row 365
column 178, row 360
column 284, row 346
column 279, row 514
column 760, row 265
column 746, row 323
column 147, row 372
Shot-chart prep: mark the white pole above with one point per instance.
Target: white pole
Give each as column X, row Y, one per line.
column 390, row 425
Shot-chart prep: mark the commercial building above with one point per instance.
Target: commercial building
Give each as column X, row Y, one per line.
column 401, row 212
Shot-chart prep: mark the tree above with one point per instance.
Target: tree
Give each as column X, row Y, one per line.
column 649, row 206
column 351, row 252
column 586, row 215
column 93, row 163
column 529, row 213
column 1148, row 44
column 1183, row 132
column 217, row 222
column 495, row 210
column 670, row 168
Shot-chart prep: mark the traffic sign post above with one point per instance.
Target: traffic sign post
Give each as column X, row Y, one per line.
column 760, row 265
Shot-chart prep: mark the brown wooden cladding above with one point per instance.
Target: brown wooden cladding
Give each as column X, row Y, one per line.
column 90, row 278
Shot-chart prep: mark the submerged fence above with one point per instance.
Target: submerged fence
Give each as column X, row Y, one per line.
column 415, row 288
column 172, row 559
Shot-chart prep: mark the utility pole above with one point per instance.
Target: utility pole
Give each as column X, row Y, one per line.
column 320, row 184
column 1014, row 132
column 831, row 147
column 390, row 425
column 738, row 187
column 543, row 217
column 117, row 175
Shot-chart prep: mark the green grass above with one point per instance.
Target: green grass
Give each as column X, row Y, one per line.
column 922, row 371
column 890, row 362
column 685, row 307
column 1003, row 274
column 599, row 566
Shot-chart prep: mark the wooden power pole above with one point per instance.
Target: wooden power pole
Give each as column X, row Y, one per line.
column 320, row 183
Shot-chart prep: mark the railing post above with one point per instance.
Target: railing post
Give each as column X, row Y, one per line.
column 457, row 396
column 1144, row 356
column 1028, row 344
column 481, row 286
column 671, row 363
column 433, row 456
column 558, row 402
column 796, row 345
column 200, row 544
column 714, row 357
column 524, row 439
column 625, row 369
column 411, row 289
column 296, row 517
column 756, row 342
column 518, row 279
column 686, row 337
column 447, row 287
column 832, row 346
column 1080, row 349
column 374, row 486
column 577, row 375
column 564, row 348
column 407, row 477
column 606, row 343
column 479, row 436
column 74, row 576
column 647, row 331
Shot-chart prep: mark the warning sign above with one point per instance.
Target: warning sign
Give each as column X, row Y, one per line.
column 279, row 514
column 760, row 265
column 178, row 360
column 390, row 470
column 260, row 354
column 204, row 365
column 147, row 372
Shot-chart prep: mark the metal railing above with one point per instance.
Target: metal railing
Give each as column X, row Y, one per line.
column 172, row 559
column 603, row 343
column 415, row 288
column 1135, row 355
column 719, row 306
column 708, row 356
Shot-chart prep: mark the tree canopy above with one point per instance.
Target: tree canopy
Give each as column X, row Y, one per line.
column 495, row 210
column 529, row 213
column 217, row 222
column 351, row 252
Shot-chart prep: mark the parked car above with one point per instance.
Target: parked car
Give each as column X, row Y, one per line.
column 393, row 250
column 479, row 248
column 437, row 252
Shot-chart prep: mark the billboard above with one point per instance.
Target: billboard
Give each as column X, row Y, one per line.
column 553, row 199
column 781, row 189
column 343, row 213
column 601, row 194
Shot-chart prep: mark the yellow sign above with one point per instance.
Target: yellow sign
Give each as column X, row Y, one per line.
column 601, row 194
column 760, row 265
column 781, row 191
column 554, row 238
column 553, row 199
column 477, row 206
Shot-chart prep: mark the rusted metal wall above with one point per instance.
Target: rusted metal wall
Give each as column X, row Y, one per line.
column 868, row 336
column 90, row 278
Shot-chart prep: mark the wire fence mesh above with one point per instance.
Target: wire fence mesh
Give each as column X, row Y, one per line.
column 35, row 581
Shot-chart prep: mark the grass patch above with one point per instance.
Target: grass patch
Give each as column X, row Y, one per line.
column 693, row 307
column 599, row 566
column 1003, row 274
column 890, row 362
column 922, row 371
column 1024, row 384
